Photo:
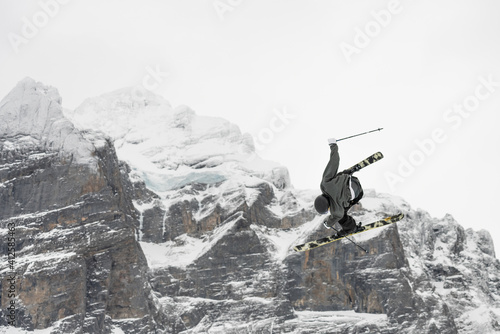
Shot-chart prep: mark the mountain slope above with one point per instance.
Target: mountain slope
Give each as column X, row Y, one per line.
column 191, row 232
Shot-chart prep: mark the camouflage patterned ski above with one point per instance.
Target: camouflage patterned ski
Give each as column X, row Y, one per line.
column 323, row 241
column 362, row 164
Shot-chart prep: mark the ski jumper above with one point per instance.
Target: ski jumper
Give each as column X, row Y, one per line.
column 342, row 191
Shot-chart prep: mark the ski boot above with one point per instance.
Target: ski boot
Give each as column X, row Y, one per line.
column 356, row 229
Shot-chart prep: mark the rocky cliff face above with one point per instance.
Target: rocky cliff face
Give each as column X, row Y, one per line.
column 77, row 262
column 192, row 233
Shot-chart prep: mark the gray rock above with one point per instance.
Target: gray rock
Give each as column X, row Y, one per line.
column 77, row 259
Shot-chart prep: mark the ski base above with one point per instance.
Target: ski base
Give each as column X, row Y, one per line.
column 324, row 241
column 362, row 164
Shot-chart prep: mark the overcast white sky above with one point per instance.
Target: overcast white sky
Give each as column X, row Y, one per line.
column 427, row 72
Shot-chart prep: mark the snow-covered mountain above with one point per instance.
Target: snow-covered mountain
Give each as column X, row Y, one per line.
column 172, row 147
column 69, row 258
column 32, row 116
column 184, row 229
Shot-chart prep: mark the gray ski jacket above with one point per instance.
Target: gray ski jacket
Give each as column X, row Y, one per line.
column 336, row 186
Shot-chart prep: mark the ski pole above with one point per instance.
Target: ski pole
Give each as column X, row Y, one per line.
column 360, row 134
column 364, row 250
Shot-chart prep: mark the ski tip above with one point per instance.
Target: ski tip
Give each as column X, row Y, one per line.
column 398, row 216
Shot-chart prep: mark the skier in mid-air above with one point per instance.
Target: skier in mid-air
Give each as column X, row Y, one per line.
column 340, row 191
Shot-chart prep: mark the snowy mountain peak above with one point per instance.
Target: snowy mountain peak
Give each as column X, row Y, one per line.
column 32, row 114
column 171, row 147
column 125, row 101
column 28, row 109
